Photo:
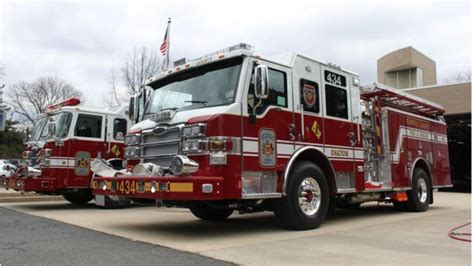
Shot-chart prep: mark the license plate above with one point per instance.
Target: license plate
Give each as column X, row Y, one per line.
column 127, row 187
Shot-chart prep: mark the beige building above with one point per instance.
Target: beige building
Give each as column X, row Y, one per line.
column 413, row 72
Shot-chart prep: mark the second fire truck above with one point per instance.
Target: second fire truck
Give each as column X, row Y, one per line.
column 233, row 131
column 62, row 144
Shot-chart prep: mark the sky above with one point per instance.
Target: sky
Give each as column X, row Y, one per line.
column 81, row 41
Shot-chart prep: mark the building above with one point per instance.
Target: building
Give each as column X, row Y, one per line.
column 411, row 71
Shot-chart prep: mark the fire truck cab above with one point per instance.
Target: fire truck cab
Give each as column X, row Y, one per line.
column 61, row 146
column 236, row 131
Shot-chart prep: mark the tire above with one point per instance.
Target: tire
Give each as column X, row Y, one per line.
column 80, row 197
column 211, row 214
column 419, row 196
column 306, row 204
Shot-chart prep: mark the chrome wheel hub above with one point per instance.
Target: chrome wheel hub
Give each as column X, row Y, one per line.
column 422, row 190
column 309, row 196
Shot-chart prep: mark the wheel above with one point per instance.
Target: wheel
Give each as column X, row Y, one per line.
column 79, row 197
column 419, row 196
column 211, row 214
column 306, row 204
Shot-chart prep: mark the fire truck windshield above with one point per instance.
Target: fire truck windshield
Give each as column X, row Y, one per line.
column 209, row 85
column 38, row 128
column 63, row 122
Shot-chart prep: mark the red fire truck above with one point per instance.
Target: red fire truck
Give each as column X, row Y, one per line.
column 62, row 144
column 293, row 135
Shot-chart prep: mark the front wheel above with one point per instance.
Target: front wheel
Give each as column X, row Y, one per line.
column 419, row 196
column 79, row 197
column 210, row 214
column 306, row 203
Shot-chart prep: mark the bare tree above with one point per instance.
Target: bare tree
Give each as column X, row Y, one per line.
column 31, row 99
column 113, row 96
column 141, row 65
column 459, row 77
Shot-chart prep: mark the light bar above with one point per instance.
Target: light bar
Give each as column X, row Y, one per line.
column 68, row 102
column 240, row 46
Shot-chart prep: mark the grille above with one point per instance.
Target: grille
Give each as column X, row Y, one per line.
column 160, row 148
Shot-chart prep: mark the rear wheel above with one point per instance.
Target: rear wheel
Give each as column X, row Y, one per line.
column 419, row 196
column 306, row 204
column 79, row 197
column 210, row 214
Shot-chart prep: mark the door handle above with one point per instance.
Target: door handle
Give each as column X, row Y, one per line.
column 352, row 138
column 291, row 128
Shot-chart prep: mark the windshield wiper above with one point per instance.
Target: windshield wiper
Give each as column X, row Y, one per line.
column 201, row 102
column 169, row 108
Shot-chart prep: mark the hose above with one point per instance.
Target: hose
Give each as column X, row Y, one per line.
column 458, row 236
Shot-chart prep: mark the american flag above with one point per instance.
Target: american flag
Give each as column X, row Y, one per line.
column 164, row 46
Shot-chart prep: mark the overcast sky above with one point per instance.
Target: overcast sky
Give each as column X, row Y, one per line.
column 80, row 41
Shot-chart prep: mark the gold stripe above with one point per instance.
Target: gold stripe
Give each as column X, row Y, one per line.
column 94, row 185
column 181, row 187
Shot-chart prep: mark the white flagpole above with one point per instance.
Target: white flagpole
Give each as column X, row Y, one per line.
column 168, row 44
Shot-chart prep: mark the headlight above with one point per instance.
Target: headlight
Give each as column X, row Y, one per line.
column 132, row 140
column 192, row 131
column 132, row 152
column 194, row 146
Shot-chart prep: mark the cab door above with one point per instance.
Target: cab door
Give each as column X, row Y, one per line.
column 339, row 129
column 267, row 131
column 116, row 130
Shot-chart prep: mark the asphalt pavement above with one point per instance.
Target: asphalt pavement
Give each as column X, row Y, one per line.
column 30, row 240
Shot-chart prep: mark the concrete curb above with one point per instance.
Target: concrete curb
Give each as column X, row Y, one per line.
column 33, row 198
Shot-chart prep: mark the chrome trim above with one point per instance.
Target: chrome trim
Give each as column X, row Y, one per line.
column 292, row 160
column 346, row 190
column 160, row 143
column 401, row 188
column 443, row 186
column 262, row 195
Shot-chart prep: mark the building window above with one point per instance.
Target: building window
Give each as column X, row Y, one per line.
column 336, row 102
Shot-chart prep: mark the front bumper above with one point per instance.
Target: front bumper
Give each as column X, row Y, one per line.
column 160, row 187
column 30, row 184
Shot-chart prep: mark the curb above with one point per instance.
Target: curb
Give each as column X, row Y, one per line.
column 14, row 199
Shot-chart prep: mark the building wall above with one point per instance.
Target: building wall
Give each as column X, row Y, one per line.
column 455, row 98
column 402, row 61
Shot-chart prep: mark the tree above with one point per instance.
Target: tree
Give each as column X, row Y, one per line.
column 113, row 95
column 141, row 65
column 459, row 77
column 11, row 142
column 32, row 99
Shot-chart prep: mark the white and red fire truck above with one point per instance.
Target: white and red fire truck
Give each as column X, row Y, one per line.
column 62, row 144
column 293, row 135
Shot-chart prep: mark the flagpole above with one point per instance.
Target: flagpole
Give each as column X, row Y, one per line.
column 168, row 50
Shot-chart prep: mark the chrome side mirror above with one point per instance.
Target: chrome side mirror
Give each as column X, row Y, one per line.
column 133, row 108
column 261, row 82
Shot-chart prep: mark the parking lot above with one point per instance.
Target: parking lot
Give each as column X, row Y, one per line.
column 374, row 234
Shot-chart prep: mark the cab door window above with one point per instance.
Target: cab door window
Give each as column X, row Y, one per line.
column 88, row 126
column 336, row 102
column 277, row 92
column 120, row 128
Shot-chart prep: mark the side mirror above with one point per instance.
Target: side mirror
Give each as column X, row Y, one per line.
column 133, row 108
column 52, row 128
column 261, row 82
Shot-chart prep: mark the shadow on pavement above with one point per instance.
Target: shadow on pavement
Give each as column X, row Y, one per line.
column 252, row 223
